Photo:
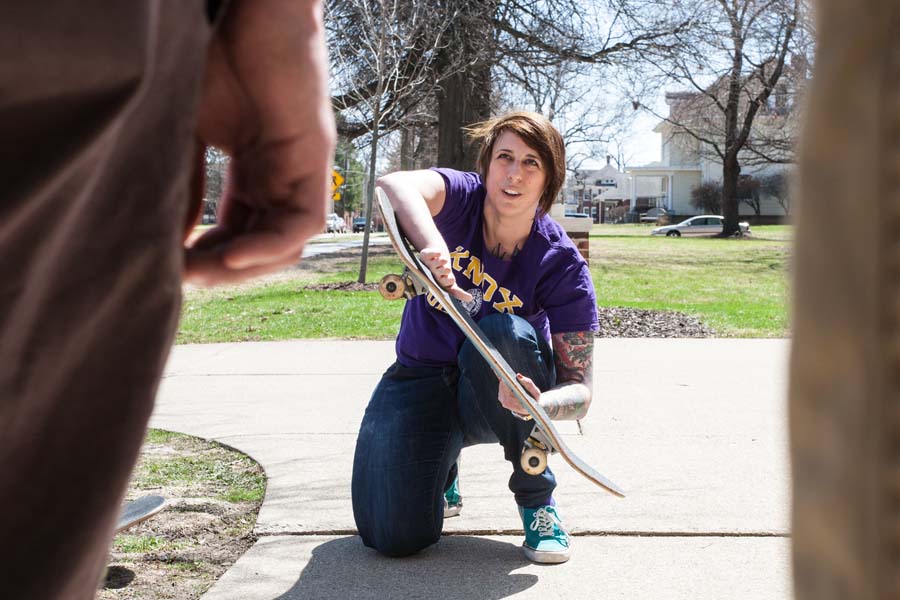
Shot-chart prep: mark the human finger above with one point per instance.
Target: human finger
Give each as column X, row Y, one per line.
column 509, row 400
column 207, row 268
column 278, row 199
column 272, row 239
column 211, row 238
column 533, row 390
column 459, row 293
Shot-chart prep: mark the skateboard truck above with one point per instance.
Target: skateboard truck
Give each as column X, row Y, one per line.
column 394, row 287
column 535, row 452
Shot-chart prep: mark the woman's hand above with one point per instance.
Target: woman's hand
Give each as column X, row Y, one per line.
column 438, row 262
column 511, row 402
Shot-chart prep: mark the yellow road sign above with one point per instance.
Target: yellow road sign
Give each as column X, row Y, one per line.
column 336, row 196
column 336, row 180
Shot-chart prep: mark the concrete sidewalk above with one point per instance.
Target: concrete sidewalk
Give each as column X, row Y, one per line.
column 694, row 430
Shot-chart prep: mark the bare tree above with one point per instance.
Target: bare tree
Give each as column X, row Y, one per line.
column 215, row 180
column 494, row 54
column 707, row 197
column 749, row 193
column 777, row 186
column 559, row 57
column 741, row 64
column 483, row 47
column 380, row 43
column 505, row 51
column 571, row 95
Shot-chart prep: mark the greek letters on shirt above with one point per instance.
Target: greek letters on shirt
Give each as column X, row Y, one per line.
column 499, row 297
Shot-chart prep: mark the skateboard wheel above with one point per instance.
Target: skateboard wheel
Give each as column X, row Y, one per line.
column 534, row 461
column 392, row 287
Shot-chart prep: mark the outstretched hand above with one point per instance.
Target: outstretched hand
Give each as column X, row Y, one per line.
column 265, row 103
column 438, row 262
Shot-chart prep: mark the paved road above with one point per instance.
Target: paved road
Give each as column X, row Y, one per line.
column 694, row 430
column 329, row 243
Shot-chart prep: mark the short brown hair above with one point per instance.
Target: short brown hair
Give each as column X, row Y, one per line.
column 537, row 132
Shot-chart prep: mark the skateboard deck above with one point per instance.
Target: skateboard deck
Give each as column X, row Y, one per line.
column 545, row 437
column 139, row 510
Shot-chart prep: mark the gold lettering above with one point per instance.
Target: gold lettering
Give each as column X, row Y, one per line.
column 510, row 302
column 433, row 302
column 474, row 271
column 492, row 287
column 457, row 256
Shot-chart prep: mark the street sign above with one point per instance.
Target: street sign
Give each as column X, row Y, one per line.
column 336, row 196
column 336, row 180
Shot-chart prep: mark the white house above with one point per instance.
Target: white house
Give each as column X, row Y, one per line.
column 589, row 190
column 685, row 165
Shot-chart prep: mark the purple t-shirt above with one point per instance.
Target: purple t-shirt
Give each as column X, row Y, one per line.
column 547, row 282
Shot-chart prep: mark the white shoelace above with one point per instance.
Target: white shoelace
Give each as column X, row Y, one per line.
column 544, row 521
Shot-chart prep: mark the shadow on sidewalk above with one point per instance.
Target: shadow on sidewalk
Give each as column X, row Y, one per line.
column 456, row 568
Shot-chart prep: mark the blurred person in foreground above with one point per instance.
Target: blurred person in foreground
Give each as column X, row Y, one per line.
column 105, row 109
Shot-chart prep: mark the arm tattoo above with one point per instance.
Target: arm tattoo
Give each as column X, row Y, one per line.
column 574, row 358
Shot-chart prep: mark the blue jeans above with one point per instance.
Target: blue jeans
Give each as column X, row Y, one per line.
column 417, row 422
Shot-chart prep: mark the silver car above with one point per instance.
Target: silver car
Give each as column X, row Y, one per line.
column 699, row 225
column 335, row 224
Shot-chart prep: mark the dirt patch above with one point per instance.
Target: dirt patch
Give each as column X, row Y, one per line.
column 637, row 323
column 213, row 495
column 343, row 286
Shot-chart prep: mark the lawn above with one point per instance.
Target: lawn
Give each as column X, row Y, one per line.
column 286, row 308
column 738, row 287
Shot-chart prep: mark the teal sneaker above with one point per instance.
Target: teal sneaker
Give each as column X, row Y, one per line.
column 452, row 500
column 546, row 541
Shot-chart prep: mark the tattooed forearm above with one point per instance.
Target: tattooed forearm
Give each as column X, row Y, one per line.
column 567, row 402
column 574, row 358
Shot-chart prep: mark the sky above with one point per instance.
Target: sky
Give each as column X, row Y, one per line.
column 641, row 147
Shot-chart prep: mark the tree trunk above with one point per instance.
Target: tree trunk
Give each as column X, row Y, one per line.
column 464, row 99
column 731, row 172
column 731, row 168
column 406, row 158
column 370, row 195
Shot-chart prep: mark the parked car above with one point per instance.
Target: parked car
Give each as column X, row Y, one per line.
column 335, row 224
column 653, row 215
column 359, row 225
column 577, row 215
column 699, row 225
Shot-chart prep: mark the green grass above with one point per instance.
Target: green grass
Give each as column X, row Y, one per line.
column 233, row 485
column 279, row 311
column 160, row 436
column 766, row 232
column 199, row 461
column 138, row 543
column 738, row 287
column 285, row 311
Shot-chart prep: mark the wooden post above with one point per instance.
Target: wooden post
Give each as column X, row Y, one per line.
column 845, row 363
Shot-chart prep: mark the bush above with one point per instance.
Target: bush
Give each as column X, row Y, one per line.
column 707, row 198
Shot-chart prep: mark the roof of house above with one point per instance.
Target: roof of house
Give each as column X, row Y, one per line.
column 645, row 187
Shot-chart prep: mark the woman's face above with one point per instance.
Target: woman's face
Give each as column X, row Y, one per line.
column 516, row 177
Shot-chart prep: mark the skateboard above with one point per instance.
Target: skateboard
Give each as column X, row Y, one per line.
column 138, row 511
column 416, row 279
